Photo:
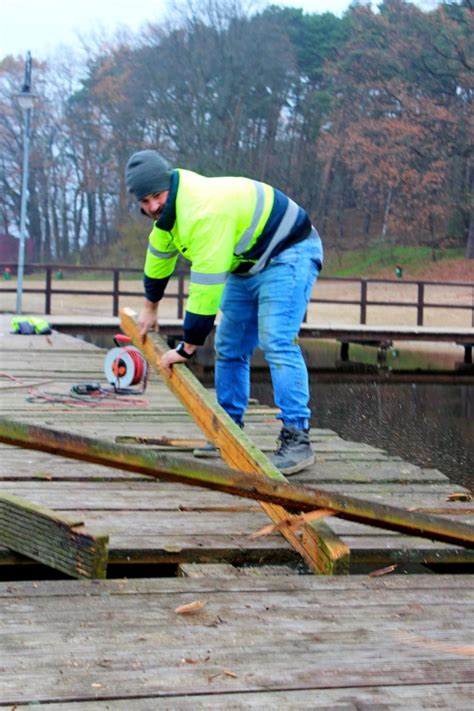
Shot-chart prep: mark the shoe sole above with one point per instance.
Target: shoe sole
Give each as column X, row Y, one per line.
column 298, row 467
column 206, row 455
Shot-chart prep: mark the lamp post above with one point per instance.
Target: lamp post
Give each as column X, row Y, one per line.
column 26, row 101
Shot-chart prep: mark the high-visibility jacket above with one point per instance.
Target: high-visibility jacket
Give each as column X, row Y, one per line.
column 28, row 325
column 222, row 225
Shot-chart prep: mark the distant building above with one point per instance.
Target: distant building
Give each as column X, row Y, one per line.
column 9, row 249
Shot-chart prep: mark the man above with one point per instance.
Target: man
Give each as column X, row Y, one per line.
column 254, row 255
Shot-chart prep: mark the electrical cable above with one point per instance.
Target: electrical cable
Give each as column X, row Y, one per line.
column 91, row 397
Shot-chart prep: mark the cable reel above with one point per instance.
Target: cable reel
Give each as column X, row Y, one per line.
column 125, row 367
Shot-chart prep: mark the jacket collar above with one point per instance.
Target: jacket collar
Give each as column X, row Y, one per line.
column 168, row 216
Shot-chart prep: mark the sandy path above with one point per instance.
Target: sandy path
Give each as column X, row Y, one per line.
column 325, row 289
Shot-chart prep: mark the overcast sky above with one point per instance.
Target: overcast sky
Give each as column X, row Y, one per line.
column 42, row 25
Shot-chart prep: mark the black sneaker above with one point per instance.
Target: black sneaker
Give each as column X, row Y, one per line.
column 206, row 452
column 209, row 451
column 294, row 451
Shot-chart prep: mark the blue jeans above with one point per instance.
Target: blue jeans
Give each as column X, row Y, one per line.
column 267, row 310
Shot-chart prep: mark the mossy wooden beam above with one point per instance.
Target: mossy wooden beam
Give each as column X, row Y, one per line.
column 45, row 536
column 161, row 465
column 236, row 448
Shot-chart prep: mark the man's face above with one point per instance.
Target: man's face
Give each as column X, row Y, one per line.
column 153, row 205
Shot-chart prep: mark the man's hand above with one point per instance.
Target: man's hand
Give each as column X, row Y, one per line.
column 148, row 319
column 171, row 357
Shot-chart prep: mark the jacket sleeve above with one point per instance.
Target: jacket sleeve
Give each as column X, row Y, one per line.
column 154, row 288
column 161, row 256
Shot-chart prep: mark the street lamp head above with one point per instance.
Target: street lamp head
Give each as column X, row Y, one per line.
column 26, row 100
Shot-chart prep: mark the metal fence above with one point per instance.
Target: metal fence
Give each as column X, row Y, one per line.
column 53, row 275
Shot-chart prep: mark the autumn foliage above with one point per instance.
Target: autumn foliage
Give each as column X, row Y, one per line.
column 365, row 119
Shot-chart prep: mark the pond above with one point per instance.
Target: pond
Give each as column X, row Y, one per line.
column 428, row 424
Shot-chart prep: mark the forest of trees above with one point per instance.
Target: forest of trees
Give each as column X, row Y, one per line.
column 366, row 120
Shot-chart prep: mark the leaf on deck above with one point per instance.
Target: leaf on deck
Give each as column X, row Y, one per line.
column 382, row 571
column 190, row 607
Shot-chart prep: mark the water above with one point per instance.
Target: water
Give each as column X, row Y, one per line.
column 428, row 424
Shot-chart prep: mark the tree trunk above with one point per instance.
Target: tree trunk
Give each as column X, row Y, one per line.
column 366, row 227
column 470, row 235
column 386, row 213
column 35, row 231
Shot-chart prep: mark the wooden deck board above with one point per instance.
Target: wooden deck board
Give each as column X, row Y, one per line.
column 407, row 697
column 254, row 640
column 23, row 464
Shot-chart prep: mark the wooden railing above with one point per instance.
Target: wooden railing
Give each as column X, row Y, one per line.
column 55, row 273
column 420, row 304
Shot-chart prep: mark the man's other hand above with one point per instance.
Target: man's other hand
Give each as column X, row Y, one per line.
column 148, row 320
column 170, row 358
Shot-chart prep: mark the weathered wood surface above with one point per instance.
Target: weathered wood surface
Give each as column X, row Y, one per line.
column 51, row 538
column 343, row 640
column 344, row 467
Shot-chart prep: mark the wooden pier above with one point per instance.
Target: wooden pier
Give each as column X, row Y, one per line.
column 261, row 633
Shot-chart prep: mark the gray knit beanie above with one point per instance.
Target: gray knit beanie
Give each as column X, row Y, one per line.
column 147, row 172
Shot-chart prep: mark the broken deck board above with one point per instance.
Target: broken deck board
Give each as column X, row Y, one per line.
column 49, row 537
column 358, row 471
column 255, row 641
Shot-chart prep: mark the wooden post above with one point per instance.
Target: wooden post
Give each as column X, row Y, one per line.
column 468, row 354
column 420, row 304
column 277, row 491
column 51, row 539
column 116, row 288
column 47, row 291
column 363, row 301
column 237, row 449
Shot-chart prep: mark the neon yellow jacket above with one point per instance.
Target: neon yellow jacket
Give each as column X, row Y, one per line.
column 221, row 225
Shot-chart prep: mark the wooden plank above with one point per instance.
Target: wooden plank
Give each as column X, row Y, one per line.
column 49, row 538
column 207, row 570
column 330, row 549
column 165, row 538
column 423, row 588
column 144, row 496
column 237, row 449
column 175, row 442
column 16, row 464
column 447, row 696
column 292, row 497
column 359, row 332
